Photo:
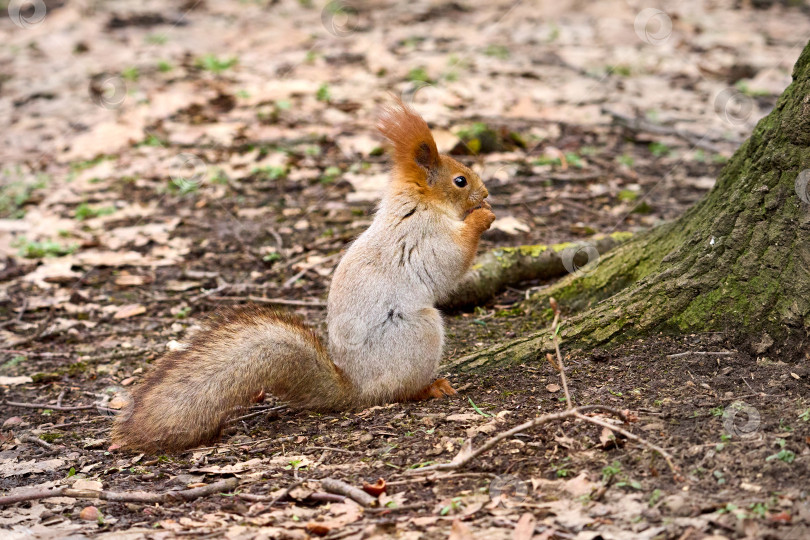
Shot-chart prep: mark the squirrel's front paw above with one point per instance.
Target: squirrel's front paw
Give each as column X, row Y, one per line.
column 482, row 218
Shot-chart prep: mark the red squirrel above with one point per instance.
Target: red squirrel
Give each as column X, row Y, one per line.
column 385, row 335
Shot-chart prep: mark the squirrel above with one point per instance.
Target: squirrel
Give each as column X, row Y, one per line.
column 385, row 337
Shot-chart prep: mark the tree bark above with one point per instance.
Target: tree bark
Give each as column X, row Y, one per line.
column 737, row 262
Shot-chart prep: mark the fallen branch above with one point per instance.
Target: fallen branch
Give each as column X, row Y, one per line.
column 27, row 437
column 124, row 496
column 342, row 488
column 495, row 270
column 326, row 497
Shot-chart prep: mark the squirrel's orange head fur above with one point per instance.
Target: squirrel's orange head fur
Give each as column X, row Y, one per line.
column 438, row 179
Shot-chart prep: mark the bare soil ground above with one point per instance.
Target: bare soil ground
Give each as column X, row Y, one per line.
column 162, row 159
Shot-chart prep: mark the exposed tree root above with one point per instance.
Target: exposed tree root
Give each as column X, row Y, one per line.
column 499, row 268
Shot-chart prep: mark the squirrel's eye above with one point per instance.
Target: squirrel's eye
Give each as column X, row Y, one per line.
column 460, row 181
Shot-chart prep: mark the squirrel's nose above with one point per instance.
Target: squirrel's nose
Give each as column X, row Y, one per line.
column 484, row 193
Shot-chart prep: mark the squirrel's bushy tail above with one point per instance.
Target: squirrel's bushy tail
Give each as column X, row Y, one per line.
column 189, row 394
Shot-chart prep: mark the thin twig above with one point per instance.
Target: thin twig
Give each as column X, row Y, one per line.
column 69, row 424
column 283, row 495
column 123, row 496
column 433, row 477
column 666, row 455
column 43, row 326
column 33, row 353
column 332, row 449
column 403, row 508
column 46, row 406
column 467, row 453
column 247, row 416
column 210, row 292
column 287, row 284
column 263, row 300
column 295, row 278
column 321, row 459
column 465, row 457
column 698, row 353
column 554, row 330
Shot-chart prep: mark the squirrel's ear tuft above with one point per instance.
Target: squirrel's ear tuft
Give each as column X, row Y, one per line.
column 412, row 146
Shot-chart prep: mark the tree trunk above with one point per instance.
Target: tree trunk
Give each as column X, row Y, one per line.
column 737, row 262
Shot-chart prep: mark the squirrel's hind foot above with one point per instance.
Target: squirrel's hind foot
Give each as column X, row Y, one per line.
column 437, row 389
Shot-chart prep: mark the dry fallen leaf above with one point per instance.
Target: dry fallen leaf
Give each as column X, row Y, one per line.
column 129, row 310
column 510, row 225
column 524, row 530
column 92, row 485
column 321, row 529
column 9, row 467
column 459, row 531
column 607, row 439
column 579, row 485
column 14, row 381
column 463, row 417
column 375, row 489
column 129, row 280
